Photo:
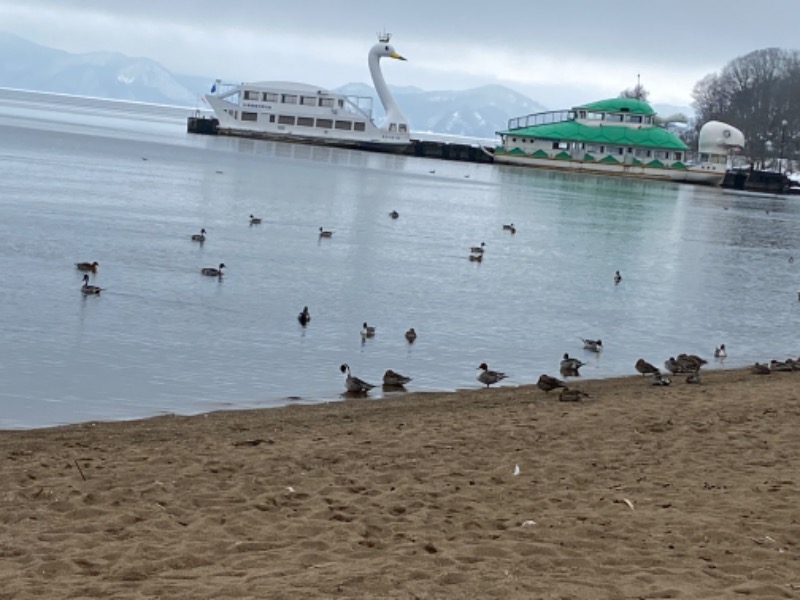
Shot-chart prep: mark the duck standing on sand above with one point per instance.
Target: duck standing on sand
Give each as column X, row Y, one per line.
column 304, row 317
column 759, row 369
column 721, row 352
column 394, row 379
column 87, row 289
column 547, row 383
column 87, row 266
column 488, row 377
column 645, row 368
column 353, row 384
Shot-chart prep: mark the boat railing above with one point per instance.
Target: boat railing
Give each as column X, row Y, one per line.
column 542, row 118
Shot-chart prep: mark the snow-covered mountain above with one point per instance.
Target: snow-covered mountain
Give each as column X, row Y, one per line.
column 478, row 112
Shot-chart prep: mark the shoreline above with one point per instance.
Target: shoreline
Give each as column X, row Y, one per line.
column 682, row 491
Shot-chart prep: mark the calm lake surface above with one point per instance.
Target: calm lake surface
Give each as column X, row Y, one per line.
column 124, row 184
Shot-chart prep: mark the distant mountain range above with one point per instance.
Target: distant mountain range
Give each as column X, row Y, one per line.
column 478, row 112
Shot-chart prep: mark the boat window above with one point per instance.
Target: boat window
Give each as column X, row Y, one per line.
column 633, row 118
column 648, row 120
column 359, row 126
column 344, row 125
column 289, row 99
column 250, row 95
column 661, row 154
column 392, row 126
column 285, row 120
column 326, row 102
column 270, row 97
column 614, row 118
column 341, row 103
column 403, row 128
column 593, row 148
column 704, row 157
column 679, row 156
column 305, row 121
column 642, row 153
column 594, row 116
column 308, row 100
column 325, row 123
column 560, row 145
column 272, row 118
column 249, row 116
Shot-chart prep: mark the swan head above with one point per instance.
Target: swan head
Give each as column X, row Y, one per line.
column 384, row 48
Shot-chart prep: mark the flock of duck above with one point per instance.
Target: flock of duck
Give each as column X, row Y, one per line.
column 688, row 364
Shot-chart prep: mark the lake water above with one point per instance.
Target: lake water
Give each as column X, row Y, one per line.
column 124, row 184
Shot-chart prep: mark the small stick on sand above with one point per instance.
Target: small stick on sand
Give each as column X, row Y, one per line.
column 75, row 460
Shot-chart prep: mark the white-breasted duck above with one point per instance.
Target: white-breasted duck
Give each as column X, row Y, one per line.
column 89, row 289
column 213, row 272
column 352, row 383
column 488, row 377
column 199, row 237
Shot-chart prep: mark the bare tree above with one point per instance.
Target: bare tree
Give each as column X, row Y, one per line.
column 638, row 91
column 754, row 93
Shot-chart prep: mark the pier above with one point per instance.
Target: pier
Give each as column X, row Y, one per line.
column 435, row 146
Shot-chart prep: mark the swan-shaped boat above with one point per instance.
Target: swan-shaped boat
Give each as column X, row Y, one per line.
column 299, row 112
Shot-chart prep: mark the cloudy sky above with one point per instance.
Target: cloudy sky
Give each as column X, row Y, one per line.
column 558, row 53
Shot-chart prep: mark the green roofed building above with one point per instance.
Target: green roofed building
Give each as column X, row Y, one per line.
column 618, row 136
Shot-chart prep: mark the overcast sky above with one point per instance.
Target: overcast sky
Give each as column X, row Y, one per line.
column 560, row 53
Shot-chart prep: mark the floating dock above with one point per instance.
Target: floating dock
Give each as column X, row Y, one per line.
column 464, row 151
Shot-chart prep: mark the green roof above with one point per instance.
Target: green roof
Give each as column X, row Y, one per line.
column 646, row 136
column 627, row 105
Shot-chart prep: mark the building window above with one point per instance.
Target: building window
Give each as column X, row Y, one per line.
column 326, row 102
column 359, row 126
column 560, row 145
column 661, row 154
column 250, row 95
column 308, row 100
column 289, row 99
column 305, row 121
column 678, row 156
column 270, row 97
column 272, row 118
column 614, row 118
column 633, row 118
column 344, row 125
column 249, row 116
column 325, row 123
column 285, row 120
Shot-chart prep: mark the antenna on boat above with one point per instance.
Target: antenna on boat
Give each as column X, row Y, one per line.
column 384, row 37
column 638, row 86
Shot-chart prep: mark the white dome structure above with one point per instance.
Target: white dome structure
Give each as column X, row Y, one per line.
column 717, row 137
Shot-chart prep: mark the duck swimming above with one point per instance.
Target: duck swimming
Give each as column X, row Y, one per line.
column 593, row 345
column 488, row 377
column 394, row 214
column 304, row 317
column 324, row 233
column 367, row 331
column 617, row 278
column 255, row 220
column 199, row 237
column 394, row 379
column 89, row 289
column 411, row 335
column 212, row 272
column 478, row 249
column 87, row 266
column 353, row 384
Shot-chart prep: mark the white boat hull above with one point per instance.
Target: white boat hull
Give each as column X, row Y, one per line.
column 708, row 174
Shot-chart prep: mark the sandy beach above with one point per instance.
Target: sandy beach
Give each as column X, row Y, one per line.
column 686, row 491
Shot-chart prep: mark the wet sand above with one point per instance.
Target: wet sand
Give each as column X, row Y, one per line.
column 686, row 491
